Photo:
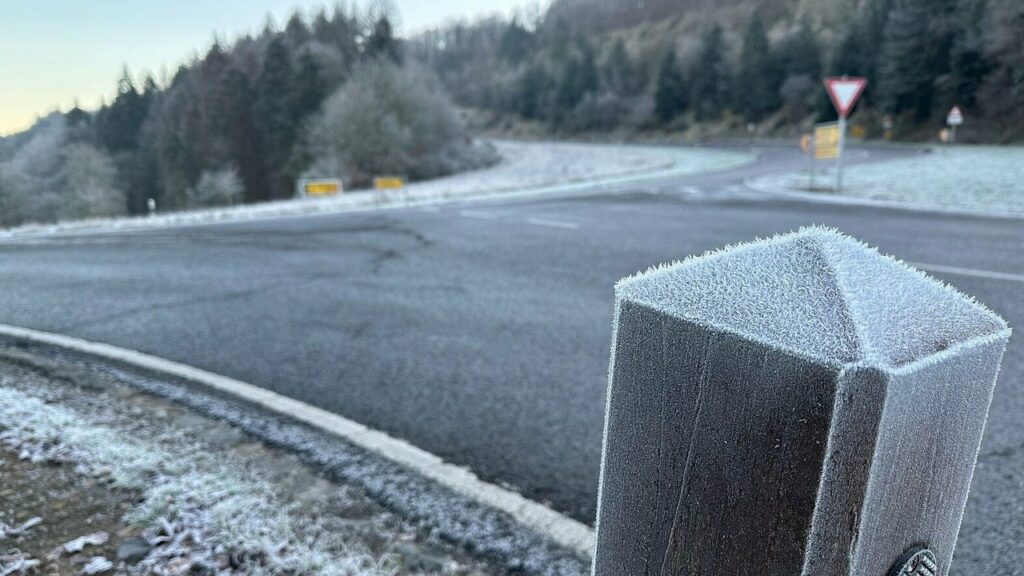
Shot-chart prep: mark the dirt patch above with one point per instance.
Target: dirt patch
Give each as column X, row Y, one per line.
column 68, row 505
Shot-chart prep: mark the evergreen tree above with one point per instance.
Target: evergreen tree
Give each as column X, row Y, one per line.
column 531, row 92
column 800, row 53
column 274, row 117
column 618, row 69
column 710, row 77
column 578, row 78
column 310, row 88
column 516, row 43
column 857, row 51
column 245, row 139
column 296, row 33
column 669, row 89
column 757, row 76
column 382, row 42
column 907, row 75
column 340, row 31
column 589, row 78
column 968, row 59
column 117, row 125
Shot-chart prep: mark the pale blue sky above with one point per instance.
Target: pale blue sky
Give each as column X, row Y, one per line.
column 54, row 51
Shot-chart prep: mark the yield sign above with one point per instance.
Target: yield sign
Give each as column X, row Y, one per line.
column 956, row 117
column 844, row 92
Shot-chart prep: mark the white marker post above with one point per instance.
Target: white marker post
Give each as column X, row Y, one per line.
column 844, row 92
column 954, row 119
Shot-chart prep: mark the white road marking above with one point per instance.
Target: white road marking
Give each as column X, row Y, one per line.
column 430, row 209
column 479, row 214
column 693, row 190
column 560, row 528
column 969, row 272
column 563, row 224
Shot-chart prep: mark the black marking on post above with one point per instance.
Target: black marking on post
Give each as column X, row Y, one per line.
column 916, row 562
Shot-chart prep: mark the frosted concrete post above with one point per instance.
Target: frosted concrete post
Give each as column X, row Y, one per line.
column 800, row 405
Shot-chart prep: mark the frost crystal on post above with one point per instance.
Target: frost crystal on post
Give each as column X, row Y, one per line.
column 798, row 405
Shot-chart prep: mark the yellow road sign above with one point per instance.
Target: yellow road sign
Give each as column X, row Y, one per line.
column 857, row 131
column 321, row 187
column 826, row 141
column 388, row 182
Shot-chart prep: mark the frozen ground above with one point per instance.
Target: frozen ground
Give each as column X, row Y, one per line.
column 527, row 167
column 154, row 488
column 971, row 178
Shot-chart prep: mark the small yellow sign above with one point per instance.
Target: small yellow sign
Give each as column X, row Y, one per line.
column 826, row 141
column 388, row 182
column 857, row 131
column 321, row 187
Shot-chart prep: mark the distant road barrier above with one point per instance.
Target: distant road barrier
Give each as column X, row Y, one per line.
column 795, row 406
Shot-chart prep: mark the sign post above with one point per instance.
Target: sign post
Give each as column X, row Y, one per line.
column 844, row 92
column 954, row 119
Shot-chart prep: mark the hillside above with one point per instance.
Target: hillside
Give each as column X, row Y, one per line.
column 710, row 67
column 330, row 95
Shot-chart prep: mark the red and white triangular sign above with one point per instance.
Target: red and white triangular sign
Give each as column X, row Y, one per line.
column 956, row 117
column 844, row 92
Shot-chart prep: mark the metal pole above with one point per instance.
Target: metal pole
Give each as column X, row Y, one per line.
column 750, row 429
column 839, row 153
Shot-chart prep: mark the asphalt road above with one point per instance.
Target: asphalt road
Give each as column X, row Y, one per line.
column 481, row 331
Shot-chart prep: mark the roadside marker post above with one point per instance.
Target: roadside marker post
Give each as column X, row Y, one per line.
column 797, row 405
column 844, row 92
column 807, row 145
column 954, row 119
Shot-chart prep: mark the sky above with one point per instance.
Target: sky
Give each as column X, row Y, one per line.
column 56, row 52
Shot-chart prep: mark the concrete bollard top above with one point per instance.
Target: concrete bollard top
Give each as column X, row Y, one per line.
column 821, row 295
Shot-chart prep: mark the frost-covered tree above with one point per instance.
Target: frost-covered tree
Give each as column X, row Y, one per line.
column 13, row 193
column 91, row 184
column 389, row 119
column 221, row 187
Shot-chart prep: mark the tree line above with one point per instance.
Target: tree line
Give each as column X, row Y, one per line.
column 573, row 69
column 241, row 124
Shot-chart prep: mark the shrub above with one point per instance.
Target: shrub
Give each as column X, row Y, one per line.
column 91, row 186
column 222, row 187
column 390, row 119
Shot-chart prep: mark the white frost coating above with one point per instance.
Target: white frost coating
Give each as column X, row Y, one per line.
column 527, row 169
column 560, row 528
column 226, row 507
column 819, row 294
